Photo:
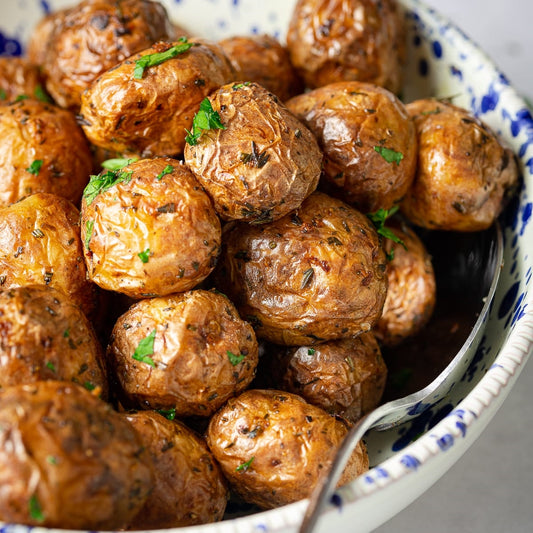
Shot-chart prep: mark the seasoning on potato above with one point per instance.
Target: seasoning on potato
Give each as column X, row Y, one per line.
column 272, row 446
column 149, row 229
column 20, row 79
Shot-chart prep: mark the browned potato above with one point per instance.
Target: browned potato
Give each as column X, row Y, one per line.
column 149, row 229
column 40, row 244
column 464, row 174
column 149, row 114
column 47, row 337
column 336, row 40
column 368, row 139
column 344, row 377
column 42, row 149
column 273, row 445
column 84, row 41
column 186, row 352
column 314, row 275
column 264, row 60
column 40, row 37
column 262, row 163
column 189, row 486
column 411, row 296
column 18, row 79
column 67, row 460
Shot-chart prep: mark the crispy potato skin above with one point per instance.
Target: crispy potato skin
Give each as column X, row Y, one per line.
column 316, row 274
column 352, row 121
column 30, row 131
column 262, row 164
column 149, row 116
column 273, row 446
column 67, row 454
column 464, row 174
column 412, row 293
column 84, row 41
column 170, row 219
column 40, row 37
column 189, row 487
column 264, row 60
column 193, row 372
column 44, row 336
column 18, row 76
column 337, row 40
column 55, row 258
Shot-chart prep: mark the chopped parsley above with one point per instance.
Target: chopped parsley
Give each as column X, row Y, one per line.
column 103, row 182
column 206, row 119
column 391, row 156
column 51, row 366
column 117, row 163
column 145, row 349
column 35, row 167
column 167, row 170
column 245, row 466
column 3, row 94
column 170, row 414
column 378, row 218
column 234, row 359
column 89, row 226
column 152, row 60
column 144, row 256
column 236, row 86
column 311, row 351
column 35, row 510
column 41, row 94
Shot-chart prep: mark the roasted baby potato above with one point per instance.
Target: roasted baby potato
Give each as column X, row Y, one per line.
column 273, row 446
column 186, row 352
column 67, row 460
column 464, row 174
column 146, row 111
column 260, row 162
column 316, row 274
column 19, row 78
column 42, row 149
column 45, row 336
column 368, row 139
column 149, row 229
column 347, row 40
column 189, row 487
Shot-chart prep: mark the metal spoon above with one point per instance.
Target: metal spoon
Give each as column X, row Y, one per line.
column 403, row 409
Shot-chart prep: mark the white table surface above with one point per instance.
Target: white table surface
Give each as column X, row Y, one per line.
column 490, row 489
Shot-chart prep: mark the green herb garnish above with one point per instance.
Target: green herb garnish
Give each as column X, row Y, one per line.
column 144, row 349
column 103, row 182
column 144, row 256
column 21, row 97
column 234, row 359
column 167, row 170
column 3, row 94
column 379, row 218
column 152, row 60
column 89, row 386
column 41, row 94
column 206, row 119
column 51, row 366
column 118, row 163
column 311, row 351
column 245, row 466
column 35, row 167
column 170, row 414
column 391, row 156
column 89, row 226
column 35, row 510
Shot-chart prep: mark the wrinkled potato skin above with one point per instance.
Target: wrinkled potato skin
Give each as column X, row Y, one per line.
column 464, row 174
column 55, row 259
column 344, row 377
column 172, row 217
column 412, row 293
column 349, row 120
column 44, row 336
column 347, row 40
column 92, row 37
column 264, row 60
column 149, row 116
column 265, row 270
column 31, row 130
column 291, row 443
column 284, row 160
column 193, row 372
column 18, row 77
column 40, row 37
column 70, row 453
column 189, row 487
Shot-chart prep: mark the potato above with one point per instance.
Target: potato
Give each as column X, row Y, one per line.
column 42, row 149
column 464, row 174
column 316, row 274
column 19, row 78
column 189, row 487
column 368, row 139
column 272, row 446
column 149, row 229
column 186, row 352
column 347, row 40
column 67, row 460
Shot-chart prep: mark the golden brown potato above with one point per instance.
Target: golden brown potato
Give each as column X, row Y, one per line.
column 337, row 40
column 40, row 37
column 40, row 245
column 44, row 336
column 189, row 487
column 464, row 174
column 368, row 139
column 344, row 377
column 67, row 460
column 314, row 275
column 411, row 296
column 93, row 36
column 42, row 149
column 264, row 60
column 149, row 115
column 19, row 79
column 149, row 229
column 262, row 163
column 272, row 446
column 187, row 352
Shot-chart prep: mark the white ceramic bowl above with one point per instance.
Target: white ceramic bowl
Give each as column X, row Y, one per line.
column 443, row 62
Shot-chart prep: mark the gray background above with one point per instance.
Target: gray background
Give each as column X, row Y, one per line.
column 490, row 489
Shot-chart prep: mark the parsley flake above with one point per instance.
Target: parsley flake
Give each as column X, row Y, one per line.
column 3, row 94
column 378, row 218
column 89, row 226
column 144, row 256
column 311, row 351
column 118, row 163
column 42, row 95
column 35, row 167
column 170, row 414
column 51, row 366
column 103, row 182
column 152, row 60
column 35, row 510
column 234, row 359
column 167, row 170
column 245, row 466
column 144, row 349
column 391, row 156
column 206, row 119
